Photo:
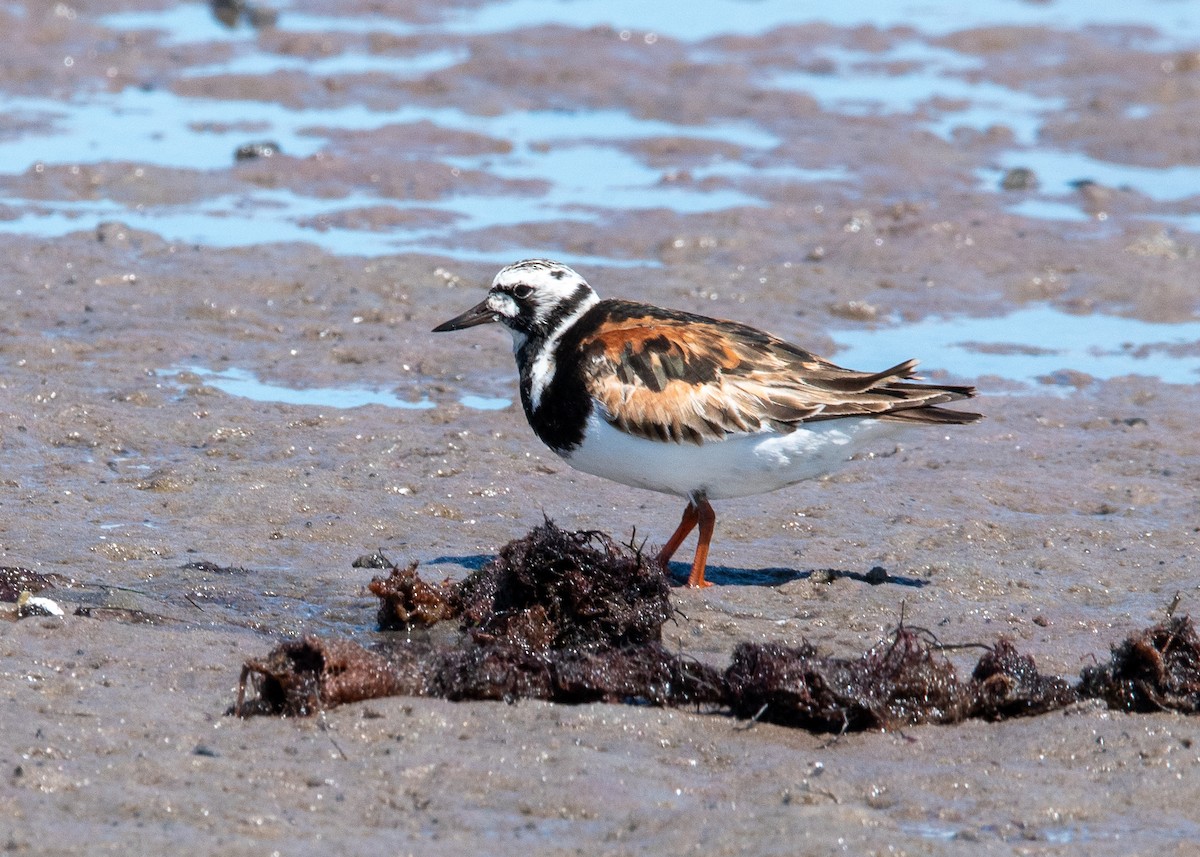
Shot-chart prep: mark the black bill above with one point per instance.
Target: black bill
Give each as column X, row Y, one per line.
column 478, row 314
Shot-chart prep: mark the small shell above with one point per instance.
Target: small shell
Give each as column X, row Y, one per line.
column 29, row 604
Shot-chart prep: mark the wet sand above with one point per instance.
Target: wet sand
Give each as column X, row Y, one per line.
column 1064, row 521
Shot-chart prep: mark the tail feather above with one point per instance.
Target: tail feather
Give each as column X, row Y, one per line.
column 919, row 404
column 932, row 415
column 861, row 382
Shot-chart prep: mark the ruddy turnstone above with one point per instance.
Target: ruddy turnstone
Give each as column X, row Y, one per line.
column 688, row 405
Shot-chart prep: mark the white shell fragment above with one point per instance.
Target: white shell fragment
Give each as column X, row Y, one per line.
column 29, row 604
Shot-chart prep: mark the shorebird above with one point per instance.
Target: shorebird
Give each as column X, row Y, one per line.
column 688, row 405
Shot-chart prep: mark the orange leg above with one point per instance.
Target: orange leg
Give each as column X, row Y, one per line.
column 707, row 519
column 686, row 525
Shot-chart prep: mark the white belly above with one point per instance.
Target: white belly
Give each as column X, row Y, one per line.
column 738, row 466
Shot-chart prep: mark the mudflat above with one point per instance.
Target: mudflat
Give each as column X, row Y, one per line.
column 187, row 527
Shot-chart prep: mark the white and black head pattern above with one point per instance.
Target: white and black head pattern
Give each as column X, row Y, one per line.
column 537, row 299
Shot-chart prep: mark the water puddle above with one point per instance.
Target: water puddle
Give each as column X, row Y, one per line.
column 281, row 215
column 942, row 832
column 561, row 166
column 183, row 23
column 1059, row 172
column 169, row 130
column 1038, row 208
column 1038, row 345
column 579, row 157
column 937, row 86
column 484, row 403
column 1035, row 345
column 575, row 154
column 705, row 19
column 932, row 82
column 246, row 385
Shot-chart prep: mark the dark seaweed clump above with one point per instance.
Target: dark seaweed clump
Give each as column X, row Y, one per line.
column 1157, row 669
column 1007, row 684
column 551, row 590
column 304, row 676
column 574, row 618
column 15, row 580
column 566, row 591
column 902, row 681
column 407, row 601
column 566, row 617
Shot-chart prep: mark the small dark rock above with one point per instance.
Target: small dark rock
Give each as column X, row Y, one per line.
column 877, row 575
column 231, row 12
column 212, row 567
column 227, row 11
column 1019, row 178
column 254, row 151
column 824, row 575
column 373, row 560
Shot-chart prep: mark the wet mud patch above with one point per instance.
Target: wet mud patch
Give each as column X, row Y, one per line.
column 574, row 617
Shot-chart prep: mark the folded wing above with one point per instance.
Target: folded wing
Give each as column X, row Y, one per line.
column 674, row 376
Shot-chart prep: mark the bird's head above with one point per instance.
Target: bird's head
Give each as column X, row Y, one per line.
column 534, row 299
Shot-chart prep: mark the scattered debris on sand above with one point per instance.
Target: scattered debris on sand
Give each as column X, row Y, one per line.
column 566, row 617
column 574, row 617
column 20, row 586
column 29, row 605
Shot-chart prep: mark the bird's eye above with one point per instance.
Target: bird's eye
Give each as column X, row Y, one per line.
column 521, row 292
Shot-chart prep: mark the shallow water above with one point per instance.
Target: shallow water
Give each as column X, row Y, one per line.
column 1033, row 345
column 239, row 382
column 571, row 156
column 242, row 383
column 1060, row 171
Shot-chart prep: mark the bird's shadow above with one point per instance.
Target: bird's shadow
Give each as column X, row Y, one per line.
column 724, row 575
